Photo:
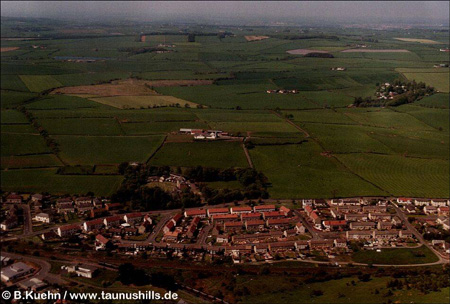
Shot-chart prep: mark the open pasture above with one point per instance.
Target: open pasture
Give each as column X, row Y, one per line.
column 46, row 180
column 8, row 49
column 39, row 83
column 22, row 144
column 219, row 154
column 345, row 138
column 438, row 80
column 14, row 83
column 149, row 101
column 30, row 161
column 159, row 127
column 418, row 40
column 128, row 87
column 12, row 99
column 305, row 51
column 85, row 126
column 97, row 150
column 255, row 38
column 300, row 171
column 343, row 291
column 436, row 118
column 61, row 102
column 12, row 117
column 400, row 175
column 18, row 128
column 440, row 100
column 364, row 50
column 384, row 118
column 415, row 144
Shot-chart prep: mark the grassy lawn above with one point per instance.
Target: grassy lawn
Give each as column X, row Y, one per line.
column 393, row 256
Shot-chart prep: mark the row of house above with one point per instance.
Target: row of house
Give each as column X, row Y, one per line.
column 202, row 213
column 376, row 234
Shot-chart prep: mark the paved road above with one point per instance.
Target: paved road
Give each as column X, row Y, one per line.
column 27, row 221
column 416, row 233
column 203, row 235
column 308, row 226
column 158, row 228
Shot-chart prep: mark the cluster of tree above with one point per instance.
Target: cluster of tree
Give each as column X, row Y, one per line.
column 191, row 38
column 133, row 188
column 182, row 33
column 319, row 55
column 50, row 142
column 141, row 50
column 369, row 39
column 76, row 170
column 403, row 93
column 129, row 274
column 423, row 280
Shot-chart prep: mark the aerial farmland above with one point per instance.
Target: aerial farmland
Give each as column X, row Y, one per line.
column 116, row 98
column 228, row 152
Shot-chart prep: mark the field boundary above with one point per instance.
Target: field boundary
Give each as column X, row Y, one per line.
column 157, row 149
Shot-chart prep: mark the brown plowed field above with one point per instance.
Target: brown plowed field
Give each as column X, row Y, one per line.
column 129, row 87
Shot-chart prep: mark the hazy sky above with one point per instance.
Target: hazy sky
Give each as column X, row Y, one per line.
column 418, row 11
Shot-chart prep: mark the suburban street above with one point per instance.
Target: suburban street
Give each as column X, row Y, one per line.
column 27, row 220
column 416, row 233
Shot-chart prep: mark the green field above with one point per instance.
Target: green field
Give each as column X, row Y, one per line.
column 46, row 180
column 335, row 291
column 349, row 151
column 135, row 102
column 32, row 161
column 396, row 256
column 108, row 150
column 208, row 154
column 399, row 175
column 297, row 171
column 438, row 79
column 39, row 83
column 12, row 99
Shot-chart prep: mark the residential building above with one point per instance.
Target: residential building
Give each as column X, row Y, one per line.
column 9, row 223
column 195, row 212
column 132, row 218
column 86, row 271
column 440, row 202
column 362, row 225
column 42, row 217
column 300, row 228
column 254, row 225
column 273, row 215
column 14, row 199
column 251, row 216
column 282, row 223
column 217, row 211
column 93, row 225
column 264, row 208
column 225, row 218
column 358, row 235
column 239, row 210
column 430, row 210
column 112, row 221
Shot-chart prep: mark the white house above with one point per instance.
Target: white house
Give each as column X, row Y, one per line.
column 42, row 217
